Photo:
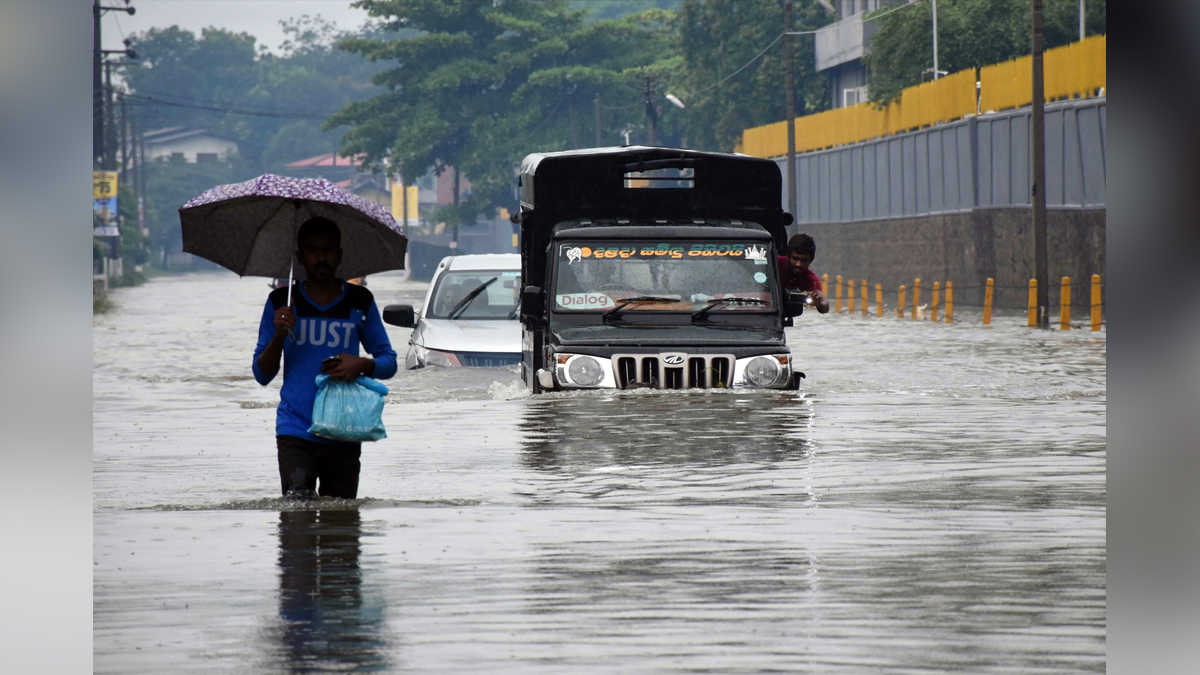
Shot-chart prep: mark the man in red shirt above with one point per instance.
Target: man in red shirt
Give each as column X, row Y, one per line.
column 795, row 275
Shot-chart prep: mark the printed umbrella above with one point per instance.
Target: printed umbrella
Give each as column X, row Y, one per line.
column 250, row 227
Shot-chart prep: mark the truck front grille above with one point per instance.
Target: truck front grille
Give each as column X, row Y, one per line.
column 674, row 371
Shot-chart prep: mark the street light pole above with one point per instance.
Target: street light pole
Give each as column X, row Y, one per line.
column 599, row 139
column 935, row 50
column 1039, row 170
column 1082, row 31
column 651, row 112
column 791, row 107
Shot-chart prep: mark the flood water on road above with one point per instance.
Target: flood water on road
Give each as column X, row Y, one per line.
column 932, row 500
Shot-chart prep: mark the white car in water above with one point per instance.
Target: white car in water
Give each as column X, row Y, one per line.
column 470, row 314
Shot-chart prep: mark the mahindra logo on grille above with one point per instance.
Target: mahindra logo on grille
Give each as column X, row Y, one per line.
column 672, row 359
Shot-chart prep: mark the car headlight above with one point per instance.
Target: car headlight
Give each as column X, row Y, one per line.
column 585, row 371
column 433, row 357
column 762, row 371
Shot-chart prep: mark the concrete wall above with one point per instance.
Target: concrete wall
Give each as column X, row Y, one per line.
column 965, row 248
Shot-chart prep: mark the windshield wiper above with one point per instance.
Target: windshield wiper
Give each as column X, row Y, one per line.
column 713, row 304
column 635, row 299
column 466, row 301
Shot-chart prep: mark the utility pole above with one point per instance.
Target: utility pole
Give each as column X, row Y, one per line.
column 935, row 59
column 1038, row 195
column 97, row 96
column 454, row 232
column 599, row 139
column 1082, row 31
column 791, row 107
column 651, row 112
column 124, row 139
column 99, row 144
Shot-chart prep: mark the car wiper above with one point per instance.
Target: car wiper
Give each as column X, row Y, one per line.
column 713, row 304
column 636, row 299
column 466, row 301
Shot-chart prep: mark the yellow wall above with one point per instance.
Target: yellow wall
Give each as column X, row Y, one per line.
column 1078, row 68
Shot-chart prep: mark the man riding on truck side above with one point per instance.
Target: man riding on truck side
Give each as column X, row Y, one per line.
column 794, row 274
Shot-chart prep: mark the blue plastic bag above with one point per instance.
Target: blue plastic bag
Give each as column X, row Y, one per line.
column 348, row 411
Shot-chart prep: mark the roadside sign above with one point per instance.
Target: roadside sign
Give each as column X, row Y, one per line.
column 104, row 204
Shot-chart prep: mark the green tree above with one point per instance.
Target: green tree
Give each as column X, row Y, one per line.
column 719, row 36
column 971, row 34
column 481, row 84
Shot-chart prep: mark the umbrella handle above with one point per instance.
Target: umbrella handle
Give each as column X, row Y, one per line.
column 291, row 271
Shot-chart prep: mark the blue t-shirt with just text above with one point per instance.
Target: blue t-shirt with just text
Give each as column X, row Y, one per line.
column 321, row 331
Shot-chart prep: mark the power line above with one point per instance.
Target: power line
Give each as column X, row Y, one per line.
column 151, row 100
column 880, row 15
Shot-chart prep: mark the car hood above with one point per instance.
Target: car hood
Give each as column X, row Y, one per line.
column 470, row 336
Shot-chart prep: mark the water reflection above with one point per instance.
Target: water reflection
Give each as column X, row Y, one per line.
column 694, row 428
column 326, row 623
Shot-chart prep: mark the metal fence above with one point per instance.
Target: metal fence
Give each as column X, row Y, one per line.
column 980, row 162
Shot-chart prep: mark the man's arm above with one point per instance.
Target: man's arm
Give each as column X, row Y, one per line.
column 817, row 292
column 375, row 341
column 819, row 301
column 272, row 333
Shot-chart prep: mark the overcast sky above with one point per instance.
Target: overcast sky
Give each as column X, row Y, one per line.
column 260, row 18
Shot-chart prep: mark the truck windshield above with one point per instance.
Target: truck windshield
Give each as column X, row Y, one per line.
column 497, row 300
column 594, row 276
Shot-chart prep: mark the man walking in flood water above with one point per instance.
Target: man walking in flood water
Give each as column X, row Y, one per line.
column 319, row 333
column 794, row 274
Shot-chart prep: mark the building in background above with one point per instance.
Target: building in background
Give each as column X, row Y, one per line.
column 194, row 146
column 840, row 49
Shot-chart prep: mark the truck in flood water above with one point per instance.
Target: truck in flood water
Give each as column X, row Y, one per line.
column 653, row 267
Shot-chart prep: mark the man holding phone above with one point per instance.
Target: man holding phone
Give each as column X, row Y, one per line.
column 319, row 333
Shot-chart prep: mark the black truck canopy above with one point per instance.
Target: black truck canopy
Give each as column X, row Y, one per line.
column 592, row 184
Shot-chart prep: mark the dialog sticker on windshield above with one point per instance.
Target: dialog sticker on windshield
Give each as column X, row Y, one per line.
column 675, row 250
column 760, row 277
column 583, row 301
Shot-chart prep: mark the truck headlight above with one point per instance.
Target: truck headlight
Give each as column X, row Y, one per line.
column 585, row 371
column 762, row 371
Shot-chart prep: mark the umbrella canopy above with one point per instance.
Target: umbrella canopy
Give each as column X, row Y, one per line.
column 251, row 227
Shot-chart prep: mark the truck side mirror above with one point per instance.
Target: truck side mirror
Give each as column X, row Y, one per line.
column 400, row 315
column 795, row 303
column 532, row 301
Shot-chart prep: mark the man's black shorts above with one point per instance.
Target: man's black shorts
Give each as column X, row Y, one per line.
column 303, row 462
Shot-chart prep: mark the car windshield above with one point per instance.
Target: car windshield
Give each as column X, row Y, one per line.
column 676, row 276
column 497, row 300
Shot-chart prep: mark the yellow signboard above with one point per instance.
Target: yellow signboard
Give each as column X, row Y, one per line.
column 398, row 203
column 104, row 204
column 104, row 184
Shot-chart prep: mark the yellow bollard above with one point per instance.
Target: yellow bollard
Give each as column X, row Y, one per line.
column 949, row 302
column 825, row 285
column 1095, row 302
column 916, row 297
column 879, row 300
column 933, row 306
column 864, row 298
column 1064, row 305
column 837, row 308
column 900, row 304
column 853, row 298
column 987, row 302
column 1031, row 319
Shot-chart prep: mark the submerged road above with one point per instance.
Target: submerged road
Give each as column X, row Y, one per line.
column 933, row 500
